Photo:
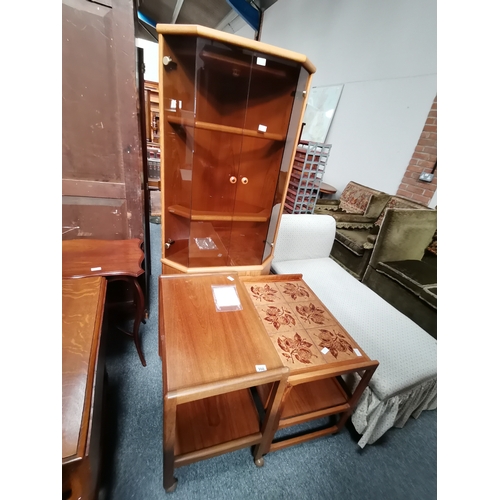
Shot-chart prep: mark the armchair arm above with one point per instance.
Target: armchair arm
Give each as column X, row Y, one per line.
column 327, row 207
column 353, row 218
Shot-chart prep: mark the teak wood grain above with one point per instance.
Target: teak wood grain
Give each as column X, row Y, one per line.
column 206, row 348
column 230, row 113
column 195, row 30
column 118, row 260
column 315, row 387
column 113, row 257
column 209, row 364
column 82, row 384
column 82, row 310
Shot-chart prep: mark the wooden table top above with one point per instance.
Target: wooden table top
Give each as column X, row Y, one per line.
column 85, row 257
column 327, row 188
column 205, row 350
column 304, row 332
column 82, row 312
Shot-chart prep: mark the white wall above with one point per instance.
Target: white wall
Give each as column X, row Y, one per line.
column 150, row 58
column 384, row 53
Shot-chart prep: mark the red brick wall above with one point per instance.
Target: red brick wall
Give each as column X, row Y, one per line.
column 423, row 160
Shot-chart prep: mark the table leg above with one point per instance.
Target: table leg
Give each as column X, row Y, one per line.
column 139, row 312
column 276, row 399
column 169, row 422
column 139, row 315
column 363, row 383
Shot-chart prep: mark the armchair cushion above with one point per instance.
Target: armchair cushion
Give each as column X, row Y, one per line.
column 356, row 241
column 355, row 198
column 412, row 274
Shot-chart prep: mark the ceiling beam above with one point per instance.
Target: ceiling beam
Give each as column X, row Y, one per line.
column 177, row 9
column 227, row 20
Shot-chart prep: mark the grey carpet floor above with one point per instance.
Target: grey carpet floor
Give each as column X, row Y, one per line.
column 401, row 465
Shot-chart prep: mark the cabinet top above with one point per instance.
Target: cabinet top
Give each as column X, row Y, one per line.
column 222, row 36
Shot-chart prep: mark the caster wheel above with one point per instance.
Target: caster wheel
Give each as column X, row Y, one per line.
column 173, row 487
column 259, row 462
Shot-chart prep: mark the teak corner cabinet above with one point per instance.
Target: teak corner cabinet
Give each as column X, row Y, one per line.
column 231, row 111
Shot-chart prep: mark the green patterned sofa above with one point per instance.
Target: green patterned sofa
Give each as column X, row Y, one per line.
column 358, row 214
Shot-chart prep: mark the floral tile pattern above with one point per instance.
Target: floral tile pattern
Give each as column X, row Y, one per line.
column 335, row 340
column 313, row 313
column 278, row 318
column 296, row 292
column 263, row 293
column 297, row 350
column 303, row 331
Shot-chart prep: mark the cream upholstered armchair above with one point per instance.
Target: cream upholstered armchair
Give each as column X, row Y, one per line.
column 354, row 241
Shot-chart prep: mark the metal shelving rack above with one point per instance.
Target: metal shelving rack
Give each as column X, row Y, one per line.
column 306, row 177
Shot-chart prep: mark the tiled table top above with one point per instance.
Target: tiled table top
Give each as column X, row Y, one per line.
column 302, row 330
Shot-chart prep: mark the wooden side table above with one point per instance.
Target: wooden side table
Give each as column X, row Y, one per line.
column 316, row 348
column 210, row 360
column 114, row 259
column 82, row 384
column 325, row 188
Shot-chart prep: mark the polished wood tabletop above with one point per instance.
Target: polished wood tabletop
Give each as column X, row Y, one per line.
column 204, row 348
column 82, row 313
column 210, row 360
column 86, row 257
column 115, row 259
column 327, row 188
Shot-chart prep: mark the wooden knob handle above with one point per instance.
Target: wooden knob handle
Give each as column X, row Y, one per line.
column 244, row 180
column 232, row 179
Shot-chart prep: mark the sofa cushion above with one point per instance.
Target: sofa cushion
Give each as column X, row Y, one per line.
column 412, row 274
column 355, row 198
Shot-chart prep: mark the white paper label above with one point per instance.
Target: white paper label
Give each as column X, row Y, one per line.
column 262, row 128
column 261, row 368
column 95, row 268
column 325, row 350
column 357, row 352
column 261, row 61
column 226, row 296
column 230, row 278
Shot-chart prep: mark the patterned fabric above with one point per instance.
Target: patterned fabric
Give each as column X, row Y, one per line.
column 433, row 246
column 405, row 382
column 354, row 225
column 373, row 417
column 396, row 202
column 355, row 199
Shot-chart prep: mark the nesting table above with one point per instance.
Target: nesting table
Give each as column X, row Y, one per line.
column 114, row 259
column 326, row 189
column 282, row 342
column 210, row 360
column 318, row 351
